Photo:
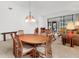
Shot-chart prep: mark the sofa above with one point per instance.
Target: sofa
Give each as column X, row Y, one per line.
column 73, row 41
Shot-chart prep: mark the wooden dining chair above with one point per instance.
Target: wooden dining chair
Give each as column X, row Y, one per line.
column 20, row 32
column 45, row 49
column 36, row 31
column 50, row 34
column 42, row 30
column 20, row 49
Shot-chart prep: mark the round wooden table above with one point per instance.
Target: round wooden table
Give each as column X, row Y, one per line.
column 33, row 38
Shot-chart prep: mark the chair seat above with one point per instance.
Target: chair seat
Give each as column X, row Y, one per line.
column 27, row 48
column 41, row 49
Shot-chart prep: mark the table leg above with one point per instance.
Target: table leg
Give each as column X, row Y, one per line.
column 14, row 49
column 35, row 53
column 64, row 41
column 15, row 34
column 4, row 37
column 13, row 45
column 71, row 43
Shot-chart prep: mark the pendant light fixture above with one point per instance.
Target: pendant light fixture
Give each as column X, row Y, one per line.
column 30, row 18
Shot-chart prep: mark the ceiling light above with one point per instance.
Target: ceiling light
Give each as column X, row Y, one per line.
column 30, row 18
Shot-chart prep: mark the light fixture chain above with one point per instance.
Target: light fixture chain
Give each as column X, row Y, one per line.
column 29, row 6
column 30, row 17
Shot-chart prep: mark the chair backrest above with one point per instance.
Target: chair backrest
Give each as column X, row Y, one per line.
column 49, row 48
column 18, row 43
column 18, row 47
column 42, row 30
column 48, row 31
column 36, row 31
column 20, row 32
column 47, row 53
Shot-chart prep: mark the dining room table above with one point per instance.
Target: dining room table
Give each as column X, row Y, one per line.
column 33, row 39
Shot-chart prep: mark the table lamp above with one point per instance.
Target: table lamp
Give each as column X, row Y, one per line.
column 70, row 27
column 77, row 24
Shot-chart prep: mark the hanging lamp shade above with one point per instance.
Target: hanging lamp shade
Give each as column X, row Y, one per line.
column 30, row 18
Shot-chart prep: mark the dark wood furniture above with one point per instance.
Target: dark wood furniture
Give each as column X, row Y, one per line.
column 5, row 33
column 66, row 39
column 75, row 39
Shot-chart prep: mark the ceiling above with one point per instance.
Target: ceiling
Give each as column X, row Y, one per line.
column 45, row 8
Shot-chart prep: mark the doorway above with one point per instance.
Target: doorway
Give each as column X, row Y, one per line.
column 53, row 26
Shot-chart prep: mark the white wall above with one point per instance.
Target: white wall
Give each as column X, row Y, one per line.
column 12, row 20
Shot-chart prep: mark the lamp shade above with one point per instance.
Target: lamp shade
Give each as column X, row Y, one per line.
column 30, row 19
column 70, row 26
column 77, row 24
